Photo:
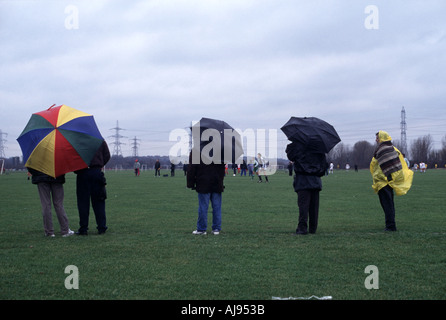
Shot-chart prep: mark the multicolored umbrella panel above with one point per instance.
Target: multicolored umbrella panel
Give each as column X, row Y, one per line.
column 59, row 140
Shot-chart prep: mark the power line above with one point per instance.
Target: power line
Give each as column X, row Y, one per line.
column 117, row 143
column 2, row 147
column 135, row 144
column 403, row 131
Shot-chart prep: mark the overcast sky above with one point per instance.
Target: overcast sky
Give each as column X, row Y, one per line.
column 155, row 66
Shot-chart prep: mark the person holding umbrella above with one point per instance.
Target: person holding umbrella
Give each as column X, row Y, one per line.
column 90, row 186
column 62, row 139
column 311, row 138
column 51, row 190
column 206, row 169
column 309, row 167
column 207, row 180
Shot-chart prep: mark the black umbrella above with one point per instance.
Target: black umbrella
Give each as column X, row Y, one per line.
column 216, row 141
column 311, row 133
column 305, row 161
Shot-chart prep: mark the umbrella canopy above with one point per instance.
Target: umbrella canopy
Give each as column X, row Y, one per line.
column 306, row 162
column 207, row 132
column 59, row 140
column 311, row 133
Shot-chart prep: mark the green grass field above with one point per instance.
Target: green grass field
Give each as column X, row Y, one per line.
column 149, row 251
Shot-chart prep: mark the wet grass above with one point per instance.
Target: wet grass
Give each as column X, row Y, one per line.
column 149, row 251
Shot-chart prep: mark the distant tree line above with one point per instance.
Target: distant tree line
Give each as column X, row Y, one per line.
column 120, row 162
column 149, row 162
column 421, row 150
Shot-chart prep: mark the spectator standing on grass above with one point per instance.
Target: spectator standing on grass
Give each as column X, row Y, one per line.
column 251, row 169
column 290, row 168
column 309, row 167
column 51, row 190
column 207, row 181
column 90, row 187
column 389, row 173
column 243, row 168
column 157, row 168
column 172, row 169
column 137, row 167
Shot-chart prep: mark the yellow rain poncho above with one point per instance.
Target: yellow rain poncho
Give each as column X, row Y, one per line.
column 401, row 180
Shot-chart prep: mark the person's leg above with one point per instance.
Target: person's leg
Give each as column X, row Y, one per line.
column 98, row 196
column 216, row 199
column 45, row 200
column 203, row 205
column 313, row 211
column 99, row 213
column 303, row 202
column 58, row 198
column 83, row 200
column 386, row 200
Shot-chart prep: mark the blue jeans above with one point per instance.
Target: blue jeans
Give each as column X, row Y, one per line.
column 203, row 205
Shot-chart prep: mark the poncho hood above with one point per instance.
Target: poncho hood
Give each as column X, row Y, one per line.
column 383, row 136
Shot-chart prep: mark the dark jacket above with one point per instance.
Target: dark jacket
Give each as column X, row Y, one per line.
column 205, row 178
column 308, row 168
column 306, row 182
column 101, row 157
column 306, row 162
column 38, row 177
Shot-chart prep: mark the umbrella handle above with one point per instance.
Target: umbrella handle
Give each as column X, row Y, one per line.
column 51, row 107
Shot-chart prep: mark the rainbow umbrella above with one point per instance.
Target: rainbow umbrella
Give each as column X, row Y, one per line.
column 59, row 140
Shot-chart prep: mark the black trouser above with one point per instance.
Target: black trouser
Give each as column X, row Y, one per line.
column 308, row 203
column 90, row 185
column 386, row 200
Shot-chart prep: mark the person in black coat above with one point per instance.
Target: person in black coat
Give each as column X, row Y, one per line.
column 90, row 186
column 207, row 181
column 157, row 168
column 308, row 168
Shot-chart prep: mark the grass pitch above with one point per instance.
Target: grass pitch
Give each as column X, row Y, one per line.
column 149, row 251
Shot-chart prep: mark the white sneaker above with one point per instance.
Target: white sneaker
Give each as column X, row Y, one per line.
column 199, row 232
column 69, row 233
column 216, row 232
